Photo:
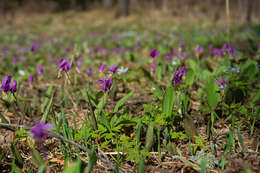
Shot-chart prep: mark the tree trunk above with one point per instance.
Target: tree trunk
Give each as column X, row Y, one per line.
column 107, row 3
column 249, row 12
column 165, row 4
column 123, row 8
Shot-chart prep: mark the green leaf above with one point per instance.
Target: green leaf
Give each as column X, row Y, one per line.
column 122, row 101
column 138, row 130
column 168, row 100
column 75, row 167
column 47, row 110
column 213, row 97
column 36, row 158
column 92, row 159
column 140, row 166
column 190, row 77
column 41, row 169
column 149, row 137
column 16, row 154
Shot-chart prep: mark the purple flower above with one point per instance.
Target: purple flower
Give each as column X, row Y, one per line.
column 102, row 50
column 232, row 50
column 89, row 72
column 113, row 68
column 183, row 56
column 38, row 131
column 102, row 67
column 13, row 86
column 181, row 45
column 222, row 84
column 6, row 83
column 30, row 79
column 15, row 59
column 168, row 57
column 198, row 49
column 211, row 47
column 225, row 47
column 179, row 74
column 154, row 53
column 79, row 61
column 153, row 67
column 105, row 83
column 33, row 48
column 218, row 52
column 65, row 65
column 40, row 69
column 258, row 46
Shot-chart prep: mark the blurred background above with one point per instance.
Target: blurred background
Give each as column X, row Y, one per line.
column 213, row 11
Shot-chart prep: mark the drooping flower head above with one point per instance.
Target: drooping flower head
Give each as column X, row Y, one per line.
column 153, row 67
column 89, row 72
column 6, row 83
column 40, row 69
column 182, row 56
column 65, row 65
column 106, row 84
column 33, row 48
column 8, row 86
column 113, row 68
column 79, row 62
column 154, row 53
column 211, row 47
column 198, row 49
column 13, row 86
column 218, row 52
column 222, row 84
column 30, row 79
column 38, row 131
column 177, row 78
column 102, row 67
column 168, row 57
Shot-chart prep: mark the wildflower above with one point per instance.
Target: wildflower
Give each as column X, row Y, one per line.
column 65, row 65
column 181, row 45
column 198, row 49
column 105, row 83
column 179, row 74
column 21, row 72
column 102, row 67
column 225, row 47
column 258, row 46
column 30, row 79
column 15, row 59
column 13, row 86
column 168, row 57
column 153, row 67
column 182, row 56
column 102, row 50
column 113, row 68
column 33, row 48
column 154, row 53
column 79, row 62
column 38, row 130
column 211, row 47
column 221, row 84
column 6, row 83
column 122, row 70
column 218, row 52
column 89, row 72
column 40, row 69
column 231, row 50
